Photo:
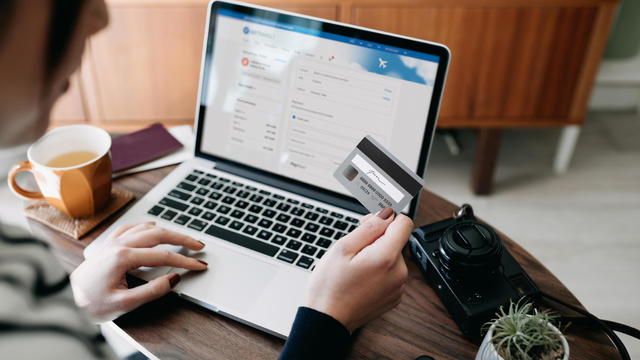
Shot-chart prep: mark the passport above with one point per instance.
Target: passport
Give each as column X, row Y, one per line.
column 377, row 178
column 141, row 146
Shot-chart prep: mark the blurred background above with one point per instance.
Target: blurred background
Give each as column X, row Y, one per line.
column 539, row 127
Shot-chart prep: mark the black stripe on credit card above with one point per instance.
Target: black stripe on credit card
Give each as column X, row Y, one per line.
column 388, row 165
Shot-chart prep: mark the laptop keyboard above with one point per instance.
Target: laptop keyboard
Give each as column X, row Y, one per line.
column 272, row 224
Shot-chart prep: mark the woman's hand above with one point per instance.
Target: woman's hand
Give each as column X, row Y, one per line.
column 99, row 283
column 362, row 276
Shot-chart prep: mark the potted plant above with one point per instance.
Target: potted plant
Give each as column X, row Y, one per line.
column 523, row 333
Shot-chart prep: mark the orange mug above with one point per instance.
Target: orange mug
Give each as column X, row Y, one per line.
column 72, row 167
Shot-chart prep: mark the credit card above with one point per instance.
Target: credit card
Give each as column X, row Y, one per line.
column 377, row 178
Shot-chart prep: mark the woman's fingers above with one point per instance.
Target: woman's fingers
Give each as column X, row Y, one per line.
column 133, row 258
column 367, row 232
column 152, row 290
column 155, row 236
column 137, row 228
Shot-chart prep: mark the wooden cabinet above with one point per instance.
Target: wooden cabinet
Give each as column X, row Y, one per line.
column 514, row 63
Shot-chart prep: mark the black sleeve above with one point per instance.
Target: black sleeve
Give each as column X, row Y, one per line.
column 316, row 335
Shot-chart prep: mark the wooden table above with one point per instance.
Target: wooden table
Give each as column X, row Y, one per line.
column 173, row 328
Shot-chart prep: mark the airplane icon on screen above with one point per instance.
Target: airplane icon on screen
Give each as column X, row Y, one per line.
column 383, row 63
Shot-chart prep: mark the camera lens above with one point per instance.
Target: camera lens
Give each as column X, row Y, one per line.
column 469, row 249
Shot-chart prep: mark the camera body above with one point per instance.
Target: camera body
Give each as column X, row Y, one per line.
column 473, row 274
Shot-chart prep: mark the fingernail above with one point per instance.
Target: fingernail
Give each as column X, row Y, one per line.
column 202, row 262
column 385, row 213
column 200, row 242
column 173, row 280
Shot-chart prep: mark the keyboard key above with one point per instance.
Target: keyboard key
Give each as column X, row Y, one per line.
column 250, row 188
column 327, row 232
column 250, row 230
column 269, row 202
column 324, row 242
column 283, row 207
column 197, row 225
column 293, row 233
column 268, row 213
column 265, row 223
column 237, row 214
column 179, row 195
column 186, row 186
column 307, row 206
column 309, row 250
column 340, row 225
column 256, row 198
column 222, row 220
column 337, row 215
column 215, row 195
column 236, row 225
column 293, row 201
column 321, row 210
column 210, row 205
column 217, row 185
column 241, row 204
column 339, row 235
column 305, row 262
column 191, row 177
column 237, row 183
column 294, row 245
column 255, row 209
column 182, row 219
column 174, row 204
column 195, row 211
column 277, row 196
column 243, row 194
column 204, row 181
column 310, row 238
column 283, row 218
column 210, row 176
column 230, row 189
column 242, row 240
column 297, row 211
column 288, row 256
column 320, row 253
column 311, row 216
column 352, row 227
column 169, row 215
column 312, row 227
column 264, row 234
column 155, row 211
column 197, row 200
column 250, row 218
column 352, row 219
column 223, row 209
column 197, row 172
column 228, row 200
column 208, row 216
column 202, row 191
column 265, row 192
column 279, row 228
column 224, row 180
column 279, row 239
column 325, row 220
column 297, row 222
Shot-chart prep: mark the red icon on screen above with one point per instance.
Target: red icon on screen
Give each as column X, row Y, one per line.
column 331, row 58
column 244, row 61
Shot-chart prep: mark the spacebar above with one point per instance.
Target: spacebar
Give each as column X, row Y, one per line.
column 244, row 241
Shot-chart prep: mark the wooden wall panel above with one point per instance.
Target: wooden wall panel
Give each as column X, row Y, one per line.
column 506, row 61
column 147, row 63
column 70, row 108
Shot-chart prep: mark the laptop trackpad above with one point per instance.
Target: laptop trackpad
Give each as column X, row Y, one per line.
column 232, row 282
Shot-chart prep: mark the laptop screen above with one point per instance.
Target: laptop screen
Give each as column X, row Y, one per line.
column 285, row 95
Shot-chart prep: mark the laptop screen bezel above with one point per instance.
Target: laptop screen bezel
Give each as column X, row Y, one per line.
column 287, row 183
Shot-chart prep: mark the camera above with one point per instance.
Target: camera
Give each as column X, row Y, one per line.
column 466, row 264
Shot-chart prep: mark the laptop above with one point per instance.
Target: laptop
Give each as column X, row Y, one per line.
column 283, row 98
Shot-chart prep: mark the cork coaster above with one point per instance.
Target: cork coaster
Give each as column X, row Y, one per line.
column 43, row 212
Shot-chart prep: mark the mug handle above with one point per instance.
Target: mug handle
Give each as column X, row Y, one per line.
column 13, row 185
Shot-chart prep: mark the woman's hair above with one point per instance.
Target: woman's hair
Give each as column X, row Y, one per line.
column 64, row 17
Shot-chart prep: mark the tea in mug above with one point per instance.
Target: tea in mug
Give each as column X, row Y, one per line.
column 72, row 159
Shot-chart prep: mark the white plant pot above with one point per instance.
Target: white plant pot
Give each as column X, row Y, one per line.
column 488, row 352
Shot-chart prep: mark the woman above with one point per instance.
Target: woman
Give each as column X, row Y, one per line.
column 41, row 44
